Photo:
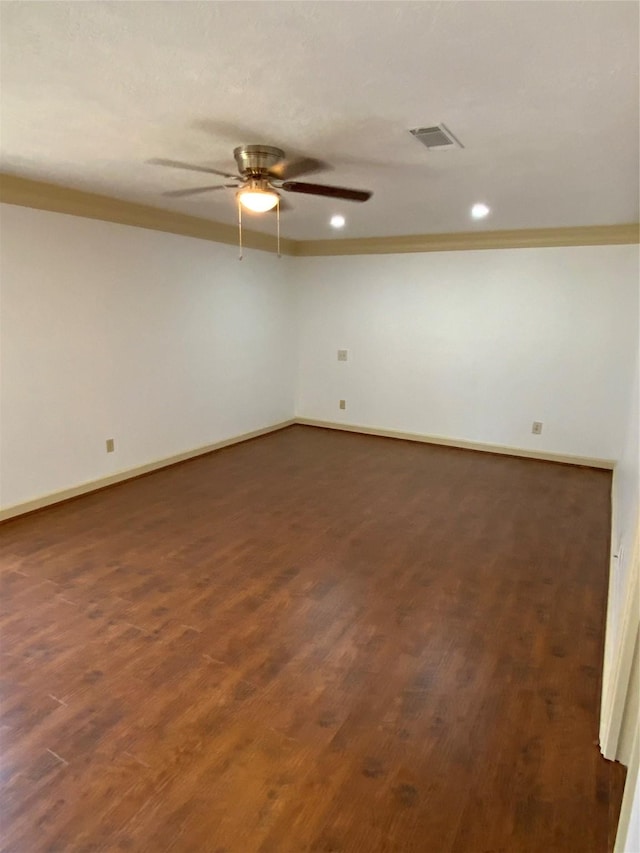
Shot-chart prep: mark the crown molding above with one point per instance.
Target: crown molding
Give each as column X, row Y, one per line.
column 529, row 238
column 53, row 197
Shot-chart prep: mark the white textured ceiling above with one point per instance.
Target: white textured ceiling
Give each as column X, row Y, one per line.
column 543, row 95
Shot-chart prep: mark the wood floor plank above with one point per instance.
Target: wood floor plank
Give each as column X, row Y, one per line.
column 313, row 641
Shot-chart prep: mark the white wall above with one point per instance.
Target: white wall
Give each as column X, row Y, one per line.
column 164, row 343
column 168, row 343
column 474, row 345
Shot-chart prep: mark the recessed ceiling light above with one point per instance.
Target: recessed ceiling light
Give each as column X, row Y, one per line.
column 480, row 210
column 337, row 221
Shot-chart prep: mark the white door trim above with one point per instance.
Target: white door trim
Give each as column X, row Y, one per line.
column 618, row 660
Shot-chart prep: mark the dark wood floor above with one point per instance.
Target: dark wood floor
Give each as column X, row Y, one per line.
column 314, row 641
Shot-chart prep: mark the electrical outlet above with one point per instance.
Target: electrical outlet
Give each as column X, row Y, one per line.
column 343, row 404
column 110, row 445
column 343, row 354
column 536, row 429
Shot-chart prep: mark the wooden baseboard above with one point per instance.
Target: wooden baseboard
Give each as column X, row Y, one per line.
column 485, row 447
column 121, row 476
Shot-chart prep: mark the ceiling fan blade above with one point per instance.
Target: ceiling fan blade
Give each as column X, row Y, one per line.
column 176, row 164
column 196, row 191
column 329, row 192
column 288, row 169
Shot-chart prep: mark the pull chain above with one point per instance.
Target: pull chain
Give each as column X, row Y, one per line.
column 240, row 228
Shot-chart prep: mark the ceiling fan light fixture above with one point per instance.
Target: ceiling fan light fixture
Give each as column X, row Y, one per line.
column 257, row 200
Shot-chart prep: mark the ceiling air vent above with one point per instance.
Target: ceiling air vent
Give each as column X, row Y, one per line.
column 436, row 137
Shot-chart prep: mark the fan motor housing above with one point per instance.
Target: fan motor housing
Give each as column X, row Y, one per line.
column 257, row 159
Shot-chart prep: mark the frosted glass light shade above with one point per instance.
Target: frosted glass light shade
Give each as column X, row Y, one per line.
column 259, row 201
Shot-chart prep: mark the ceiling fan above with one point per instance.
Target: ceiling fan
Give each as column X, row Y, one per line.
column 262, row 172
